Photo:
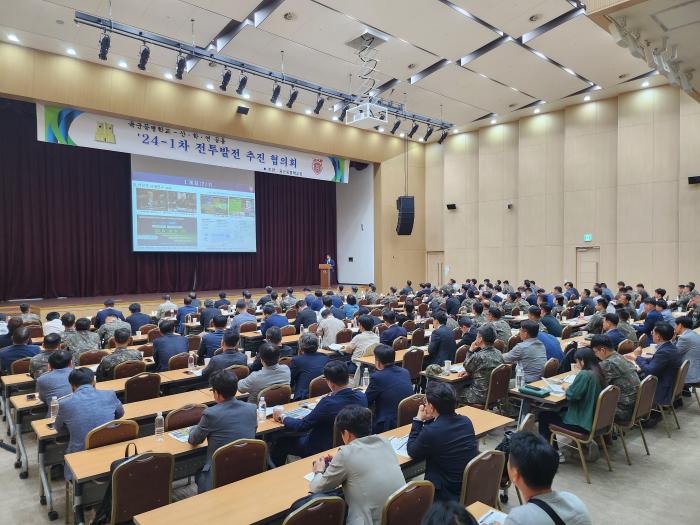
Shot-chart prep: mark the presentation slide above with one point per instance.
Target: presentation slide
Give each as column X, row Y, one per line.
column 186, row 207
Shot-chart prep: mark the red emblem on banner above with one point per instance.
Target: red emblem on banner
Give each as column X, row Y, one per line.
column 317, row 166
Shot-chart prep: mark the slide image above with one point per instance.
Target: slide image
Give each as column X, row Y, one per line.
column 151, row 200
column 166, row 231
column 182, row 201
column 214, row 205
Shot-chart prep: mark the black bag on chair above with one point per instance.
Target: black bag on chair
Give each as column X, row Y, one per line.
column 104, row 512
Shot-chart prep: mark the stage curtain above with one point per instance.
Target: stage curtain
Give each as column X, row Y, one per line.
column 65, row 216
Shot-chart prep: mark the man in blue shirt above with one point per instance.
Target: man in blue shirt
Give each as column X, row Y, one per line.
column 183, row 312
column 195, row 302
column 551, row 345
column 610, row 322
column 306, row 366
column 19, row 349
column 167, row 345
column 211, row 341
column 335, row 299
column 387, row 387
column 106, row 312
column 392, row 330
column 222, row 301
column 242, row 316
column 571, row 292
column 137, row 319
column 208, row 314
column 650, row 320
column 550, row 322
column 272, row 318
column 317, row 304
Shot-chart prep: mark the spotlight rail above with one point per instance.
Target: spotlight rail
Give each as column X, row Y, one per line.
column 195, row 53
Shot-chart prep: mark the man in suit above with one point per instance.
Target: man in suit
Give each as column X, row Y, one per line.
column 366, row 467
column 317, row 427
column 650, row 320
column 54, row 383
column 229, row 357
column 222, row 423
column 195, row 302
column 387, row 387
column 688, row 345
column 211, row 341
column 306, row 366
column 107, row 311
column 209, row 312
column 222, row 301
column 167, row 345
column 137, row 319
column 85, row 409
column 442, row 345
column 272, row 318
column 610, row 322
column 305, row 316
column 468, row 330
column 571, row 292
column 183, row 312
column 265, row 298
column 20, row 348
column 452, row 304
column 166, row 306
column 242, row 316
column 444, row 439
column 392, row 330
column 272, row 373
column 550, row 322
column 331, row 272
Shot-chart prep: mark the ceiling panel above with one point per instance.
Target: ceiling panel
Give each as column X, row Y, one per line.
column 463, row 85
column 513, row 16
column 428, row 24
column 583, row 46
column 235, row 9
column 523, row 70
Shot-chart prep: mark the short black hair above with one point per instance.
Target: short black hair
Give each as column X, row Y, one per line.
column 448, row 513
column 478, row 307
column 268, row 289
column 81, row 376
column 269, row 309
column 20, row 335
column 274, row 335
column 121, row 335
column 664, row 329
column 269, row 354
column 535, row 310
column 531, row 327
column 109, row 302
column 220, row 321
column 134, row 307
column 222, row 295
column 601, row 340
column 623, row 314
column 52, row 315
column 336, row 372
column 660, row 291
column 546, row 308
column 82, row 324
column 389, row 316
column 240, row 304
column 685, row 322
column 68, row 319
column 612, row 318
column 464, row 321
column 495, row 312
column 231, row 339
column 534, row 458
column 52, row 341
column 187, row 300
column 308, row 343
column 351, row 300
column 440, row 317
column 488, row 334
column 60, row 359
column 442, row 396
column 662, row 303
column 24, row 308
column 225, row 383
column 355, row 419
column 166, row 326
column 327, row 301
column 385, row 354
column 300, row 304
column 366, row 322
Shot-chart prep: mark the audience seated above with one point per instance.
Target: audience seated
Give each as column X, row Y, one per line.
column 53, row 324
column 211, row 341
column 272, row 335
column 530, row 353
column 54, row 383
column 39, row 363
column 121, row 354
column 272, row 373
column 208, row 313
column 619, row 372
column 111, row 324
column 12, row 325
column 107, row 311
column 166, row 306
column 137, row 319
column 230, row 355
column 306, row 366
column 392, row 330
column 168, row 345
column 328, row 328
column 183, row 312
column 550, row 322
column 481, row 360
column 448, row 512
column 387, row 387
column 222, row 301
column 20, row 348
column 27, row 316
column 81, row 339
column 272, row 318
column 688, row 345
column 610, row 322
column 442, row 345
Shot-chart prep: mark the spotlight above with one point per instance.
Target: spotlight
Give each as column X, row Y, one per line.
column 122, row 64
column 210, row 85
column 380, row 129
column 180, row 66
column 292, row 98
column 104, row 46
column 537, row 110
column 413, row 130
column 307, row 111
column 395, row 127
column 144, row 55
column 443, row 136
column 402, row 135
column 275, row 93
column 344, row 112
column 335, row 118
column 428, row 133
column 319, row 105
column 246, row 96
column 242, row 82
column 225, row 79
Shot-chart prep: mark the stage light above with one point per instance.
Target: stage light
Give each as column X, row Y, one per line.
column 421, row 139
column 380, row 129
column 319, row 105
column 104, row 46
column 307, row 111
column 443, row 136
column 428, row 133
column 144, row 55
column 225, row 79
column 246, row 96
column 413, row 130
column 402, row 135
column 242, row 83
column 537, row 110
column 344, row 112
column 275, row 94
column 454, row 131
column 71, row 51
column 292, row 98
column 13, row 38
column 335, row 118
column 180, row 66
column 395, row 127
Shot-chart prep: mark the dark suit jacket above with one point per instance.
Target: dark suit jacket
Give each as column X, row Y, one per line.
column 446, row 444
column 106, row 312
column 468, row 338
column 442, row 346
column 211, row 342
column 304, row 369
column 224, row 360
column 221, row 302
column 306, row 317
column 166, row 347
column 615, row 336
column 338, row 313
column 664, row 364
column 207, row 315
column 336, row 300
column 386, row 389
column 392, row 333
column 137, row 320
column 12, row 353
column 650, row 321
column 452, row 305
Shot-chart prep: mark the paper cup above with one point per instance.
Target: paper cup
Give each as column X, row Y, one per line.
column 138, row 333
column 206, row 361
column 277, row 410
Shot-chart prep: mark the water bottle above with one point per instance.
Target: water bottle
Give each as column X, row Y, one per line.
column 160, row 426
column 365, row 378
column 262, row 410
column 190, row 360
column 53, row 408
column 519, row 376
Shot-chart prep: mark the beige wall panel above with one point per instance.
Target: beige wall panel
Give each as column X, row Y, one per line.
column 635, row 155
column 463, row 263
column 434, row 205
column 664, row 256
column 688, row 257
column 665, row 211
column 21, row 79
column 636, row 226
column 634, row 263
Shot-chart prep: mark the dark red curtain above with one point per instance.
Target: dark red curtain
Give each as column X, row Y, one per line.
column 65, row 218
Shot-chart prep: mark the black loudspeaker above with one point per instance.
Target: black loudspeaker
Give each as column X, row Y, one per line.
column 694, row 180
column 451, row 206
column 407, row 211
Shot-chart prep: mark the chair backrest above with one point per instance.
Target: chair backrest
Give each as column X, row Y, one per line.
column 193, row 342
column 418, row 337
column 238, row 460
column 409, row 325
column 515, row 312
column 142, row 483
column 680, row 379
column 249, row 326
column 35, row 330
column 527, row 424
column 288, row 330
column 482, row 478
column 408, row 409
column 169, row 313
column 112, row 432
column 642, row 315
column 318, row 387
column 178, row 361
column 393, row 304
column 287, row 361
column 91, row 358
column 241, row 371
column 567, row 331
column 145, row 329
column 380, row 328
column 514, row 340
column 645, row 398
column 112, row 343
column 461, row 354
column 129, row 369
column 146, row 349
column 141, row 387
column 409, row 504
column 291, row 313
column 413, row 362
column 275, row 395
column 499, row 383
column 343, row 336
column 20, row 366
column 251, row 311
column 422, row 309
column 643, row 339
column 605, row 407
column 184, row 417
column 499, row 345
column 400, row 343
column 625, row 347
column 328, row 510
column 377, row 312
column 588, row 310
column 362, row 302
column 154, row 334
column 551, row 367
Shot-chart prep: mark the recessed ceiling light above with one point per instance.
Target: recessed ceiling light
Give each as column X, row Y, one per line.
column 210, row 86
column 289, row 16
column 621, row 76
column 402, row 134
column 493, row 121
column 455, row 131
column 71, row 51
column 278, row 104
column 380, row 129
column 421, row 139
column 169, row 76
column 586, row 98
column 12, row 38
column 246, row 95
column 123, row 64
column 335, row 117
column 537, row 110
column 307, row 111
column 535, row 17
column 645, row 83
column 60, row 22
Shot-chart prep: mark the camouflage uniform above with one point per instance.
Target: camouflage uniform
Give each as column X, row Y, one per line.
column 288, row 302
column 468, row 303
column 109, row 362
column 507, row 306
column 164, row 307
column 627, row 330
column 683, row 300
column 595, row 323
column 39, row 364
column 478, row 320
column 479, row 365
column 502, row 329
column 389, row 299
column 620, row 372
column 106, row 331
column 695, row 316
column 557, row 310
column 251, row 304
column 451, row 323
column 30, row 318
column 79, row 342
column 372, row 298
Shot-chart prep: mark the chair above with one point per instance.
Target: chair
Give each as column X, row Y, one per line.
column 169, row 313
column 318, row 387
column 409, row 325
column 482, row 478
column 588, row 310
column 250, row 326
column 603, row 424
column 413, row 362
column 418, row 337
column 112, row 343
column 568, row 331
column 499, row 345
column 288, row 330
column 514, row 340
column 20, row 366
column 642, row 410
column 328, row 510
column 145, row 329
column 147, row 350
column 362, row 302
column 642, row 315
column 193, row 342
column 515, row 312
column 141, row 387
column 377, row 312
column 380, row 328
column 241, row 371
column 238, row 460
column 112, row 432
column 129, row 369
column 422, row 309
column 343, row 336
column 275, row 395
column 551, row 367
column 400, row 343
column 312, row 328
column 142, row 483
column 643, row 340
column 677, row 390
column 393, row 304
column 179, row 361
column 625, row 347
column 527, row 424
column 694, row 389
column 291, row 313
column 499, row 383
column 91, row 357
column 286, row 361
column 153, row 335
column 408, row 408
column 278, row 309
column 461, row 354
column 35, row 330
column 408, row 505
column 184, row 417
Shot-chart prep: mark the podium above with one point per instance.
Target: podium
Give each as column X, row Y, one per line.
column 325, row 270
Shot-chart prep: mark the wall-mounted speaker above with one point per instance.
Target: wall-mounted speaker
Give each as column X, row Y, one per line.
column 407, row 211
column 451, row 206
column 694, row 180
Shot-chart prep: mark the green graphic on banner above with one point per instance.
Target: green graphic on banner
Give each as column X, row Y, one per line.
column 57, row 123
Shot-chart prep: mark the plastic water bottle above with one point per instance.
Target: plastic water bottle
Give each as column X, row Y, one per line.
column 160, row 426
column 365, row 378
column 190, row 360
column 519, row 376
column 53, row 408
column 262, row 410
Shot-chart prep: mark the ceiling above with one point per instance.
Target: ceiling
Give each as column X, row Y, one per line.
column 461, row 61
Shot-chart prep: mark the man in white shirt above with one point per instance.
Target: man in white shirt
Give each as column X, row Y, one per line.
column 53, row 324
column 328, row 328
column 272, row 373
column 165, row 306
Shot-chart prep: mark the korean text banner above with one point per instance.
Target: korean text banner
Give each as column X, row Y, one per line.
column 74, row 127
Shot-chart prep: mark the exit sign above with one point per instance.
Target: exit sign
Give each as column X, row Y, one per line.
column 587, row 237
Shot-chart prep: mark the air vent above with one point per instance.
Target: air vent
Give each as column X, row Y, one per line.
column 361, row 41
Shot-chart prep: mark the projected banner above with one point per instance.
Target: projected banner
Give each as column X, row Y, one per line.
column 73, row 127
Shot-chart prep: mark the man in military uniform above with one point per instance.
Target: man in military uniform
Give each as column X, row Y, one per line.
column 502, row 328
column 165, row 306
column 112, row 324
column 481, row 359
column 372, row 296
column 468, row 302
column 694, row 304
column 595, row 323
column 39, row 364
column 26, row 316
column 81, row 339
column 479, row 317
column 624, row 327
column 390, row 297
column 624, row 302
column 683, row 296
column 288, row 301
column 121, row 354
column 620, row 372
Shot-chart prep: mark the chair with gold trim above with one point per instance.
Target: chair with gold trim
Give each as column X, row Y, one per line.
column 409, row 504
column 238, row 460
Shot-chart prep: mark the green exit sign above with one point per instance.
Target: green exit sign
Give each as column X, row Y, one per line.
column 587, row 237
